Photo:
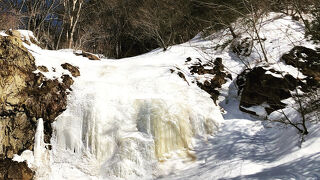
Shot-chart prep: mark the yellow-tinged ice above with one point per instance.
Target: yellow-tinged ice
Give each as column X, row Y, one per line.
column 170, row 126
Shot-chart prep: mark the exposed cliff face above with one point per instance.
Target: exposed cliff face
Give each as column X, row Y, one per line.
column 24, row 97
column 17, row 64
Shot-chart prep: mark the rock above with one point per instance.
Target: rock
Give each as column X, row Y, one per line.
column 47, row 101
column 256, row 87
column 200, row 69
column 242, row 46
column 210, row 88
column 180, row 74
column 16, row 65
column 87, row 55
column 43, row 69
column 24, row 97
column 219, row 76
column 72, row 69
column 17, row 134
column 14, row 33
column 307, row 61
column 28, row 40
column 67, row 81
column 10, row 170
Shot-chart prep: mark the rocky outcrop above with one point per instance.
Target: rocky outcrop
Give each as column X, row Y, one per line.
column 73, row 70
column 180, row 74
column 87, row 55
column 16, row 75
column 43, row 69
column 307, row 61
column 24, row 98
column 264, row 86
column 210, row 76
column 261, row 86
column 14, row 171
column 28, row 40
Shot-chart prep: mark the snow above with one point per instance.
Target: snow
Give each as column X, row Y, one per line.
column 274, row 74
column 2, row 33
column 288, row 69
column 27, row 35
column 134, row 119
column 259, row 110
column 247, row 148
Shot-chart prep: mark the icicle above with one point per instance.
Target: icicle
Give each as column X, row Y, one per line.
column 39, row 146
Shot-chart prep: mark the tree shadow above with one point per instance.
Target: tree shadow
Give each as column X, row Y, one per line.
column 302, row 168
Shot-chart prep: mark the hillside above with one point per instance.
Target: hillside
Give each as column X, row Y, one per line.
column 179, row 113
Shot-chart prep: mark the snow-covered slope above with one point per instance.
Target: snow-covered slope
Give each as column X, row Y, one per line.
column 126, row 116
column 134, row 119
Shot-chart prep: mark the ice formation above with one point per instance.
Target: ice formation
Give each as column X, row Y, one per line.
column 123, row 126
column 38, row 160
column 123, row 118
column 39, row 146
column 41, row 162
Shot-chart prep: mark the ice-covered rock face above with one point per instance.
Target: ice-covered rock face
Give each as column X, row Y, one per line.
column 127, row 127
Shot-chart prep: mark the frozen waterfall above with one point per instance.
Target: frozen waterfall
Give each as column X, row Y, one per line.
column 123, row 119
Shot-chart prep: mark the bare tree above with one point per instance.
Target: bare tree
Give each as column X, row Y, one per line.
column 307, row 105
column 9, row 20
column 35, row 15
column 72, row 12
column 162, row 24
